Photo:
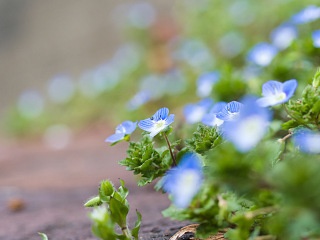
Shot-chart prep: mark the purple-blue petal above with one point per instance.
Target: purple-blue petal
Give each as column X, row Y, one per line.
column 115, row 137
column 129, row 126
column 289, row 88
column 271, row 88
column 161, row 114
column 146, row 124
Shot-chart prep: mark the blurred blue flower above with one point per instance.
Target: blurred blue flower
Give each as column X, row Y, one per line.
column 205, row 83
column 210, row 119
column 283, row 35
column 275, row 92
column 251, row 125
column 307, row 141
column 158, row 122
column 230, row 112
column 184, row 181
column 194, row 113
column 122, row 130
column 316, row 38
column 262, row 54
column 306, row 15
column 138, row 100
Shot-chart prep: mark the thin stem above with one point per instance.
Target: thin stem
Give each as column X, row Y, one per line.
column 171, row 153
column 126, row 232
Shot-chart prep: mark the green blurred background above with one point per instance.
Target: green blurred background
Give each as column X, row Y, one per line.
column 67, row 64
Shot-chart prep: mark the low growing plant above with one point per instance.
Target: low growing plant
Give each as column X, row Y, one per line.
column 248, row 170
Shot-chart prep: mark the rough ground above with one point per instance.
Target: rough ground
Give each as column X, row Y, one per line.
column 52, row 186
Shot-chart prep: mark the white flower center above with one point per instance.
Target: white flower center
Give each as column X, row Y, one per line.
column 280, row 96
column 160, row 124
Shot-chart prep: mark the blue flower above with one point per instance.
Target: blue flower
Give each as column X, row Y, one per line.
column 211, row 119
column 194, row 113
column 138, row 100
column 122, row 130
column 205, row 83
column 158, row 122
column 307, row 141
column 184, row 181
column 230, row 112
column 247, row 130
column 316, row 38
column 306, row 15
column 283, row 35
column 275, row 92
column 262, row 54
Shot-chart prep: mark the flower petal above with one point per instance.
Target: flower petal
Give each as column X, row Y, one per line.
column 289, row 87
column 115, row 137
column 271, row 88
column 129, row 126
column 146, row 125
column 161, row 114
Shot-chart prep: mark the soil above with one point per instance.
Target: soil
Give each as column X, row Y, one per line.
column 43, row 190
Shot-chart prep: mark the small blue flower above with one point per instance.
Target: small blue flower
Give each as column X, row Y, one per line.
column 275, row 92
column 283, row 35
column 194, row 113
column 251, row 125
column 262, row 54
column 211, row 119
column 205, row 83
column 306, row 15
column 184, row 181
column 307, row 141
column 316, row 38
column 158, row 122
column 230, row 112
column 122, row 130
column 138, row 100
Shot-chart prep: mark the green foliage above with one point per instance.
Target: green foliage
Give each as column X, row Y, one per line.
column 144, row 160
column 204, row 139
column 306, row 111
column 114, row 211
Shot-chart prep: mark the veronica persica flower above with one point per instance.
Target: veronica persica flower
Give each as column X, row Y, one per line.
column 205, row 83
column 262, row 54
column 184, row 181
column 306, row 15
column 316, row 38
column 247, row 130
column 275, row 92
column 122, row 130
column 194, row 113
column 158, row 122
column 307, row 141
column 283, row 35
column 230, row 111
column 211, row 119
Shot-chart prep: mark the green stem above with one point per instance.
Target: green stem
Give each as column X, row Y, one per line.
column 171, row 153
column 126, row 232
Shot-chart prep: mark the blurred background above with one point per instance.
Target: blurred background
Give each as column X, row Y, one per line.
column 63, row 64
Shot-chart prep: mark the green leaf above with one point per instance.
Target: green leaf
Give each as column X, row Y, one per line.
column 135, row 230
column 43, row 236
column 119, row 212
column 93, row 202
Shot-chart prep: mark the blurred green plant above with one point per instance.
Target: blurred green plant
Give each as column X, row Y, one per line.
column 110, row 208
